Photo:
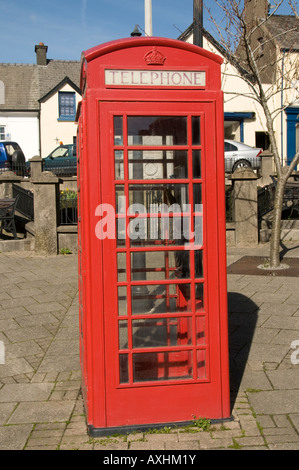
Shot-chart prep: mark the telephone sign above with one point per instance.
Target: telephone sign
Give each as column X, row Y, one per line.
column 155, row 78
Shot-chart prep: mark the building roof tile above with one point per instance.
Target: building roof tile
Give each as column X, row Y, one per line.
column 25, row 84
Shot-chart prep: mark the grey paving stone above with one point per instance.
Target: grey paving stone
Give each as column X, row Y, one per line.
column 8, row 324
column 24, row 334
column 286, row 337
column 63, row 346
column 14, row 437
column 14, row 312
column 270, row 402
column 284, row 446
column 15, row 366
column 261, row 324
column 45, row 307
column 285, row 379
column 40, row 412
column 267, row 352
column 17, row 293
column 11, row 303
column 255, row 380
column 58, row 363
column 25, row 392
column 277, row 309
column 295, row 420
column 5, row 411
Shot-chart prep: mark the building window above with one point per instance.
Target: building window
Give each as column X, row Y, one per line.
column 67, row 106
column 2, row 133
column 262, row 140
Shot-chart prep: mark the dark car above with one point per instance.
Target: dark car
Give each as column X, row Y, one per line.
column 62, row 161
column 12, row 158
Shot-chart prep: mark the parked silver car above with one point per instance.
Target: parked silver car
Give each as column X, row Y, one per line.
column 239, row 155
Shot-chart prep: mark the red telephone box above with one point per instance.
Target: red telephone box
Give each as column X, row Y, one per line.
column 152, row 249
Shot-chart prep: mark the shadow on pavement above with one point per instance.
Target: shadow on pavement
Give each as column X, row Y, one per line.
column 242, row 319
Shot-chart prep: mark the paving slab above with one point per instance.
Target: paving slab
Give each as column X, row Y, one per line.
column 41, row 412
column 25, row 392
column 295, row 420
column 14, row 437
column 275, row 401
column 15, row 366
column 59, row 363
column 6, row 410
column 41, row 406
column 20, row 334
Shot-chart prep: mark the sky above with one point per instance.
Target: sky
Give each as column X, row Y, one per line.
column 69, row 27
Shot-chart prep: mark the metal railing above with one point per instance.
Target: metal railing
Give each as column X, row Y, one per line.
column 265, row 199
column 229, row 204
column 20, row 169
column 25, row 201
column 60, row 168
column 290, row 205
column 68, row 208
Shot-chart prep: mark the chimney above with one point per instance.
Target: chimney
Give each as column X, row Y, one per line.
column 41, row 54
column 197, row 22
column 255, row 10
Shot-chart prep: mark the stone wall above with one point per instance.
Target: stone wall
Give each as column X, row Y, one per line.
column 51, row 238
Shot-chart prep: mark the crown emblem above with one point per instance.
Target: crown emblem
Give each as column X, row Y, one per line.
column 154, row 57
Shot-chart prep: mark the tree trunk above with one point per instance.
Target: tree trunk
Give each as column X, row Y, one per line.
column 276, row 224
column 283, row 174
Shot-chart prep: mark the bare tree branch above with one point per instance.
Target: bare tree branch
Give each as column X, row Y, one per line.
column 253, row 49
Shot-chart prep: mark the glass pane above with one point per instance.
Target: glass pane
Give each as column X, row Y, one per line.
column 119, row 164
column 196, row 130
column 121, row 267
column 157, row 231
column 122, row 300
column 152, row 265
column 198, row 263
column 160, row 298
column 121, row 232
column 151, row 196
column 162, row 332
column 123, row 334
column 196, row 159
column 199, row 294
column 173, row 365
column 200, row 331
column 157, row 164
column 123, row 369
column 118, row 130
column 198, row 229
column 201, row 364
column 197, row 199
column 159, row 265
column 120, row 205
column 157, row 130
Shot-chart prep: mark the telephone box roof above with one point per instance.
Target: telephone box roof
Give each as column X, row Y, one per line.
column 126, row 43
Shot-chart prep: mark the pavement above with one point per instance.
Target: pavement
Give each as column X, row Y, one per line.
column 41, row 406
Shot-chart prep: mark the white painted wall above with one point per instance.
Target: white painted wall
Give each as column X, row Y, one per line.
column 53, row 131
column 232, row 83
column 22, row 128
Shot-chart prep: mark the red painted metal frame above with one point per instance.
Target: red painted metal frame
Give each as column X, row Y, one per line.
column 108, row 403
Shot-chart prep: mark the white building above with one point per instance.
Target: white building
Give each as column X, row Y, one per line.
column 244, row 118
column 38, row 103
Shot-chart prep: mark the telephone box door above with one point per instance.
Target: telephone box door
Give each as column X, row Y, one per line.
column 159, row 235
